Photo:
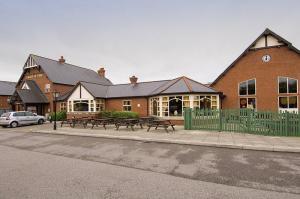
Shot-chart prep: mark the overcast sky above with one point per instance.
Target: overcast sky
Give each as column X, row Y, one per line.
column 150, row 39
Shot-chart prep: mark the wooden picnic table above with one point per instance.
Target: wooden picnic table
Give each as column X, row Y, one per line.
column 102, row 121
column 145, row 121
column 126, row 122
column 161, row 123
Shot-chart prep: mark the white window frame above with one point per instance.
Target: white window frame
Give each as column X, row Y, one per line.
column 125, row 105
column 239, row 105
column 247, row 87
column 288, row 109
column 47, row 88
column 286, row 85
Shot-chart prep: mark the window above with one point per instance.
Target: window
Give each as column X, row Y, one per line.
column 63, row 106
column 165, row 106
column 287, row 85
column 70, row 106
column 205, row 102
column 247, row 87
column 248, row 102
column 127, row 105
column 99, row 105
column 288, row 102
column 175, row 106
column 81, row 105
column 47, row 88
column 154, row 106
column 92, row 105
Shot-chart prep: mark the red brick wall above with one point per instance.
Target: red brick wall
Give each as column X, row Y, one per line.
column 117, row 104
column 3, row 102
column 41, row 81
column 284, row 62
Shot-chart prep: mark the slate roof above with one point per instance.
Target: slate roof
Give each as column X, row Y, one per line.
column 178, row 85
column 33, row 94
column 64, row 73
column 7, row 88
column 266, row 32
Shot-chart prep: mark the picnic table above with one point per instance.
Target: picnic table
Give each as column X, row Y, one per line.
column 161, row 123
column 126, row 122
column 73, row 121
column 102, row 121
column 145, row 121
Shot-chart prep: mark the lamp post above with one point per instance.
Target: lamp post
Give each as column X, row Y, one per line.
column 55, row 95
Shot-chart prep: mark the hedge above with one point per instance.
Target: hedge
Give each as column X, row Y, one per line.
column 61, row 115
column 118, row 114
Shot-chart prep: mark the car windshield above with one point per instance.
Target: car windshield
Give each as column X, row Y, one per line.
column 5, row 115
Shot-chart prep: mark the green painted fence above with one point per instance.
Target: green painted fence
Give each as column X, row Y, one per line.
column 244, row 121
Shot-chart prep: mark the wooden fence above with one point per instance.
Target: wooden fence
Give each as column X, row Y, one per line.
column 243, row 121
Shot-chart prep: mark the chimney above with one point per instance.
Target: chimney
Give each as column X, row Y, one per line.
column 133, row 80
column 101, row 72
column 62, row 60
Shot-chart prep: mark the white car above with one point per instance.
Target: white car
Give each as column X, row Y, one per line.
column 14, row 119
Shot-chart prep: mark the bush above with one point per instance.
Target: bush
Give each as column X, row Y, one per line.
column 118, row 114
column 61, row 115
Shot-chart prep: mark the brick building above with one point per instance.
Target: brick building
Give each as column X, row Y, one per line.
column 165, row 98
column 6, row 91
column 265, row 76
column 41, row 77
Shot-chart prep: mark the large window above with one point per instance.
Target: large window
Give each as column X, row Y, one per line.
column 288, row 102
column 175, row 106
column 287, row 85
column 81, row 105
column 247, row 87
column 127, row 105
column 205, row 102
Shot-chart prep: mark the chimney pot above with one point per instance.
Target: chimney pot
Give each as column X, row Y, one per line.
column 101, row 72
column 62, row 60
column 133, row 80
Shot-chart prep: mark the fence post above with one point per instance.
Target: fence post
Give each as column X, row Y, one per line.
column 287, row 122
column 188, row 119
column 220, row 120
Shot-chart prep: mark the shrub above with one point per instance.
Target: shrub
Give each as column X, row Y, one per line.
column 119, row 114
column 61, row 115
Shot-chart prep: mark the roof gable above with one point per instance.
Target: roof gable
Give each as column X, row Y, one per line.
column 32, row 95
column 265, row 40
column 64, row 73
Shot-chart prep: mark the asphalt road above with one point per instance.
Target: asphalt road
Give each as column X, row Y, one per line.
column 72, row 167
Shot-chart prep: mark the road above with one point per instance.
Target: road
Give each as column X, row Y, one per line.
column 54, row 166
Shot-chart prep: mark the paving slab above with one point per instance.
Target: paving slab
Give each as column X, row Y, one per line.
column 181, row 136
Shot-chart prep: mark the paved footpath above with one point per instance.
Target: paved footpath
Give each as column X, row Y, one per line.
column 180, row 136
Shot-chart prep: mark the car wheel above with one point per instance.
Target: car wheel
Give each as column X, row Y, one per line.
column 41, row 121
column 14, row 124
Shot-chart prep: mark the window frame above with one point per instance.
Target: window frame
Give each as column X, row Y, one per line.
column 287, row 96
column 247, row 97
column 81, row 101
column 287, row 85
column 125, row 105
column 247, row 94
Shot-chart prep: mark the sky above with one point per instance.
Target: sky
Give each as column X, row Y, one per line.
column 150, row 39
